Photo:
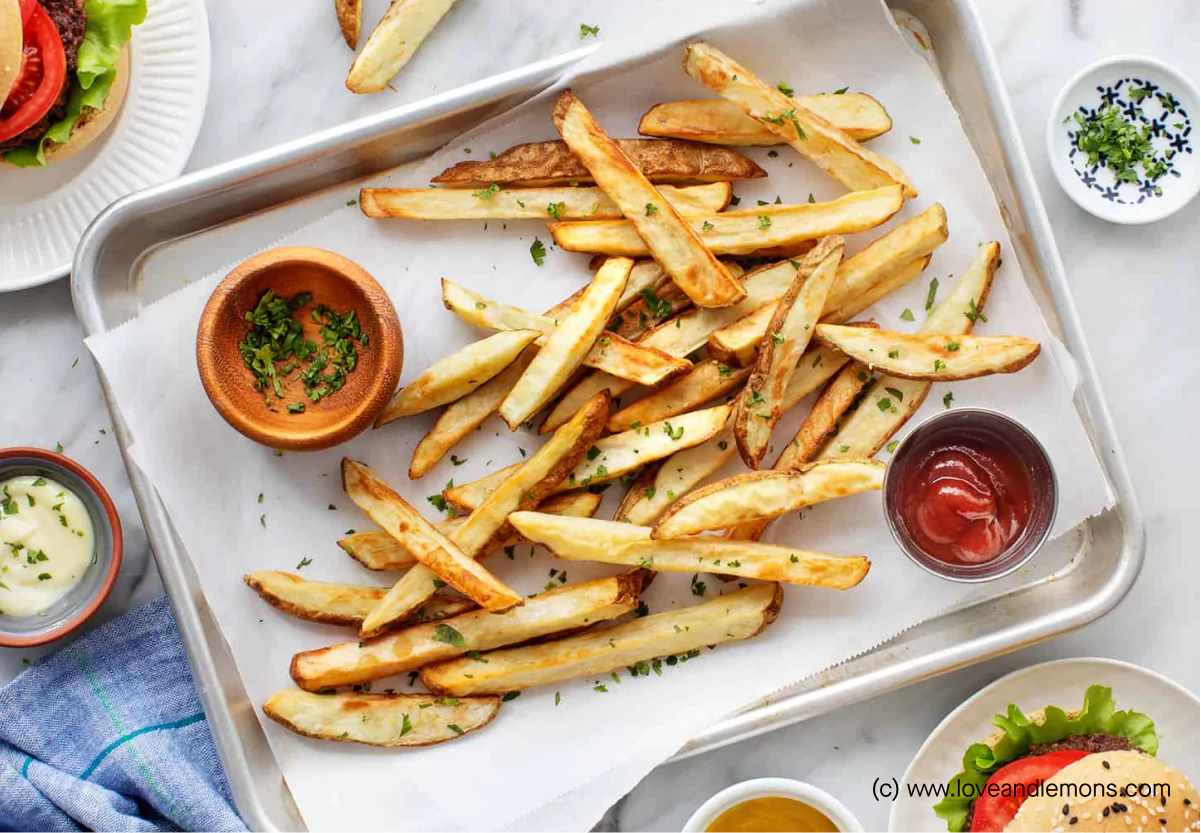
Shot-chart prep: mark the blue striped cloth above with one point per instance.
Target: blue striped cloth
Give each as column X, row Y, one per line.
column 107, row 733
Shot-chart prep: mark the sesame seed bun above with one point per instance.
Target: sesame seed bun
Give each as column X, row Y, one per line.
column 1090, row 806
column 12, row 41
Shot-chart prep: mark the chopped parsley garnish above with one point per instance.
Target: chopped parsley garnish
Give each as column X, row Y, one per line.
column 454, row 728
column 892, row 446
column 915, row 140
column 486, row 193
column 456, row 460
column 948, row 399
column 538, row 252
column 973, row 313
column 641, row 610
column 907, row 315
column 931, row 293
column 673, row 433
column 651, row 208
column 778, row 338
column 706, row 226
column 894, row 353
column 952, row 346
column 698, row 587
column 1111, row 140
column 510, row 695
column 593, row 453
column 445, row 633
column 556, row 209
column 764, row 221
column 723, row 445
column 585, row 31
column 884, row 403
column 789, row 115
column 755, row 398
column 794, row 558
column 894, row 392
column 723, row 370
column 939, row 364
column 406, row 726
column 44, row 576
column 304, row 562
column 773, row 153
column 841, row 91
column 658, row 307
column 786, row 89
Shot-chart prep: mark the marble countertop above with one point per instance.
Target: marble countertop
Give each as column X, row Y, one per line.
column 278, row 82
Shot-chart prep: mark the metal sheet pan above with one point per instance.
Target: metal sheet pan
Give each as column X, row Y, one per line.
column 236, row 206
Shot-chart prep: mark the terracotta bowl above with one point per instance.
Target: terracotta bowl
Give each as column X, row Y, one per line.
column 334, row 281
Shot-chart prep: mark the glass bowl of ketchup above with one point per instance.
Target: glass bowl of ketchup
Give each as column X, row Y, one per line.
column 970, row 495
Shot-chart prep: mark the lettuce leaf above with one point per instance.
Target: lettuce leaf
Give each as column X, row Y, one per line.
column 981, row 760
column 109, row 28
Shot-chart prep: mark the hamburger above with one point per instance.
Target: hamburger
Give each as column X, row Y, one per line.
column 64, row 70
column 1093, row 769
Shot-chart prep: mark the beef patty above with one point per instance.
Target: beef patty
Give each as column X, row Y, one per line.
column 70, row 20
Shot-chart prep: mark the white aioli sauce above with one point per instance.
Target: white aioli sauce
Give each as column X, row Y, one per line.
column 46, row 543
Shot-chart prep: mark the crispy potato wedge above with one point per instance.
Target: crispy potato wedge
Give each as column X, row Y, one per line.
column 393, row 42
column 721, row 122
column 831, row 149
column 565, row 203
column 458, row 374
column 611, row 353
column 561, row 609
column 934, row 357
column 744, row 231
column 567, row 346
column 757, row 495
column 350, row 14
column 865, row 431
column 739, row 615
column 659, row 486
column 667, row 237
column 656, row 304
column 467, row 496
column 380, row 551
column 380, row 719
column 842, row 392
column 816, row 367
column 757, row 411
column 680, row 336
column 706, row 381
column 545, row 164
column 616, row 542
column 339, row 604
column 437, row 553
column 487, row 522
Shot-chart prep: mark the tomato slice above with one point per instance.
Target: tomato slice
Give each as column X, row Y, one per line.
column 26, row 7
column 1012, row 784
column 44, row 60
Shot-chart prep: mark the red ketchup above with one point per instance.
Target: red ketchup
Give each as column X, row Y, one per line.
column 965, row 503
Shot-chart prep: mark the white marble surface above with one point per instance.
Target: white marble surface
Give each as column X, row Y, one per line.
column 278, row 77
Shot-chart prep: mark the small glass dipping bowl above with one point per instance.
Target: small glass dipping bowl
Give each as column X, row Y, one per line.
column 945, row 429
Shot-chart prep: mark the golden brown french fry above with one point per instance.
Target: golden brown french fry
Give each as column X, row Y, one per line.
column 380, row 551
column 458, row 374
column 934, row 357
column 816, row 367
column 616, row 542
column 761, row 495
column 380, row 719
column 743, row 231
column 723, row 122
column 564, row 203
column 831, row 149
column 757, row 411
column 441, row 556
column 561, row 609
column 707, row 380
column 393, row 41
column 339, row 604
column 567, row 346
column 544, row 164
column 883, row 412
column 823, row 419
column 739, row 615
column 350, row 13
column 659, row 486
column 654, row 307
column 667, row 236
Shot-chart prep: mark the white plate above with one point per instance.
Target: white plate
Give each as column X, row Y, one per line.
column 43, row 211
column 1062, row 683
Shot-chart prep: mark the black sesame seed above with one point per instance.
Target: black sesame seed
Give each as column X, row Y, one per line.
column 1105, row 812
column 1163, row 821
column 1073, row 820
column 1187, row 802
column 1105, row 764
column 1065, row 809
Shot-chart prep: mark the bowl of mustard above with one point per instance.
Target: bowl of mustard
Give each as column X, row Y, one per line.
column 772, row 804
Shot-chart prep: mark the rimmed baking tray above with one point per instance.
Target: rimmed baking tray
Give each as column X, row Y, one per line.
column 237, row 205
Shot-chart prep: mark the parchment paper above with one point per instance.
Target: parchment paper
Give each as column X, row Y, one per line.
column 542, row 765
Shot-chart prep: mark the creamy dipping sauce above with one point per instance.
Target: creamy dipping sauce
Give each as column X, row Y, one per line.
column 772, row 814
column 46, row 543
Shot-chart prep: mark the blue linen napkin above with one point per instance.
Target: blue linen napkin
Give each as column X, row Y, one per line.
column 107, row 733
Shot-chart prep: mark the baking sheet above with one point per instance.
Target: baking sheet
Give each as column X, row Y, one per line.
column 587, row 751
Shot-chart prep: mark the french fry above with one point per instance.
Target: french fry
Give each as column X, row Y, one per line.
column 659, row 486
column 734, row 616
column 561, row 609
column 842, row 392
column 393, row 42
column 437, row 553
column 380, row 551
column 350, row 13
column 380, row 719
column 934, row 357
column 545, row 468
column 757, row 411
column 458, row 374
column 565, row 203
column 865, row 432
column 653, row 307
column 667, row 236
column 339, row 604
column 546, row 164
column 615, row 542
column 744, row 231
column 816, row 367
column 611, row 353
column 646, row 275
column 831, row 149
column 567, row 346
column 761, row 495
column 706, row 381
column 722, row 122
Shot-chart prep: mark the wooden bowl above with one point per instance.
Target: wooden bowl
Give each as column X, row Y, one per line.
column 340, row 284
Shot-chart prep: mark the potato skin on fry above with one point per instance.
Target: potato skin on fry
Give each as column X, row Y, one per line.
column 340, row 604
column 932, row 357
column 350, row 13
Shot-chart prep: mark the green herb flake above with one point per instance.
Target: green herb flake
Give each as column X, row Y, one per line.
column 445, row 633
column 556, row 209
column 304, row 562
column 651, row 208
column 585, row 31
column 915, row 140
column 892, row 446
column 764, row 222
column 786, row 89
column 931, row 293
column 948, row 399
column 538, row 252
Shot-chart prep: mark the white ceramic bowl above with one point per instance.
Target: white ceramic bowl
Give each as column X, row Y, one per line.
column 1170, row 107
column 773, row 788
